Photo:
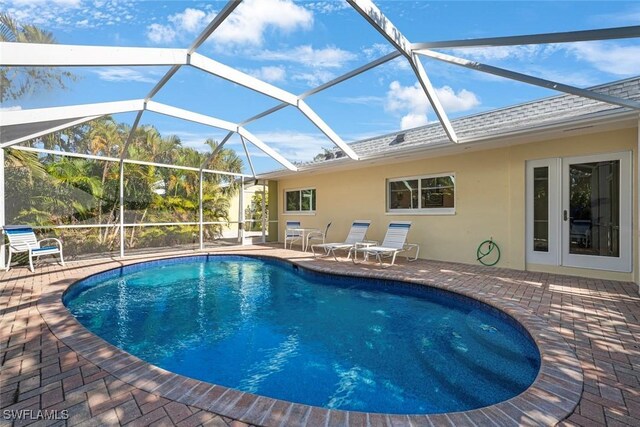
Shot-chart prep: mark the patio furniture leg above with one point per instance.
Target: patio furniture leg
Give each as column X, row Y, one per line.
column 31, row 262
column 61, row 258
column 9, row 261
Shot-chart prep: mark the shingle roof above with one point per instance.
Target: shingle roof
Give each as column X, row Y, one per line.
column 525, row 116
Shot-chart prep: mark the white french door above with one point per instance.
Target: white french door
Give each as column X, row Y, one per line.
column 579, row 212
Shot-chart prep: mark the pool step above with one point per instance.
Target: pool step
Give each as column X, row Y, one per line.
column 490, row 337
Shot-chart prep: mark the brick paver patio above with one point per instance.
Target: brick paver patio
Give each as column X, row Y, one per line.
column 50, row 363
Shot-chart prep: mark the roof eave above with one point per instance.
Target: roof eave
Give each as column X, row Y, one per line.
column 590, row 123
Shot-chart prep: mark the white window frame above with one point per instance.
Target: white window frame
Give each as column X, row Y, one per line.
column 299, row 212
column 420, row 210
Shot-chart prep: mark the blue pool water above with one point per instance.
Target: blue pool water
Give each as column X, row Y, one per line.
column 266, row 327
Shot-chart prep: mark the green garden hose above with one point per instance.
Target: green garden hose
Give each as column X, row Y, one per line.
column 488, row 253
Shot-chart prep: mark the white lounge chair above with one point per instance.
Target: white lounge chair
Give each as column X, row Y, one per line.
column 317, row 235
column 357, row 234
column 23, row 239
column 395, row 241
column 291, row 234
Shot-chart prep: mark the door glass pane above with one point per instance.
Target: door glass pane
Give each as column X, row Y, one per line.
column 541, row 209
column 403, row 194
column 594, row 192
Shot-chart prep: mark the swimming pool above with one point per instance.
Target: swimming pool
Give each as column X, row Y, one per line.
column 273, row 329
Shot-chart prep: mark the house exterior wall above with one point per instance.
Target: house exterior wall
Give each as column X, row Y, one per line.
column 490, row 200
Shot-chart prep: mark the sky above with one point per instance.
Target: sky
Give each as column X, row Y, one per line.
column 298, row 45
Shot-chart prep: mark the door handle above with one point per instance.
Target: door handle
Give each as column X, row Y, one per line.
column 566, row 215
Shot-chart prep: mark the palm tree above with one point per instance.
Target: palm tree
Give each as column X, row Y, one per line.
column 106, row 138
column 16, row 82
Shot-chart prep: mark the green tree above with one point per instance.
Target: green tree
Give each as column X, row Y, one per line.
column 16, row 82
column 254, row 211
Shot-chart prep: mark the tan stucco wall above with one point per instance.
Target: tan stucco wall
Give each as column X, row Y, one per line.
column 490, row 199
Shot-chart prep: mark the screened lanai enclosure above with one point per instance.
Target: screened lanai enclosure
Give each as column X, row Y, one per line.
column 102, row 178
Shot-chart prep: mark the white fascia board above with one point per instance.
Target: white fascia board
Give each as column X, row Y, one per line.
column 525, row 78
column 266, row 149
column 36, row 115
column 168, row 110
column 48, row 131
column 320, row 124
column 238, row 77
column 60, row 55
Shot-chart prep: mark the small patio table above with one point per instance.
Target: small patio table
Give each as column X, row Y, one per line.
column 304, row 232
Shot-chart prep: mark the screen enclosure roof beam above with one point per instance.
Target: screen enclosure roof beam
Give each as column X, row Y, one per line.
column 74, row 112
column 30, row 135
column 546, row 38
column 547, row 84
column 61, row 55
column 129, row 161
column 385, row 27
column 326, row 85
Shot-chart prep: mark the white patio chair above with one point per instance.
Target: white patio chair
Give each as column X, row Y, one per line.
column 318, row 235
column 357, row 234
column 291, row 235
column 23, row 239
column 395, row 241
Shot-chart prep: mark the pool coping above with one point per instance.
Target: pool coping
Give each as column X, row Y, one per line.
column 551, row 398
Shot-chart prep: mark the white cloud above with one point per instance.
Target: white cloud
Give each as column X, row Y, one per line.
column 377, row 50
column 628, row 17
column 180, row 26
column 313, row 78
column 61, row 3
column 159, row 34
column 245, row 26
column 191, row 20
column 248, row 23
column 464, row 100
column 360, row 100
column 66, row 14
column 412, row 101
column 123, row 74
column 413, row 120
column 270, row 74
column 328, row 57
column 499, row 53
column 328, row 6
column 608, row 57
column 295, row 146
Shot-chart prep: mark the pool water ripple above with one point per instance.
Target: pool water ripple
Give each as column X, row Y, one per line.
column 267, row 327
